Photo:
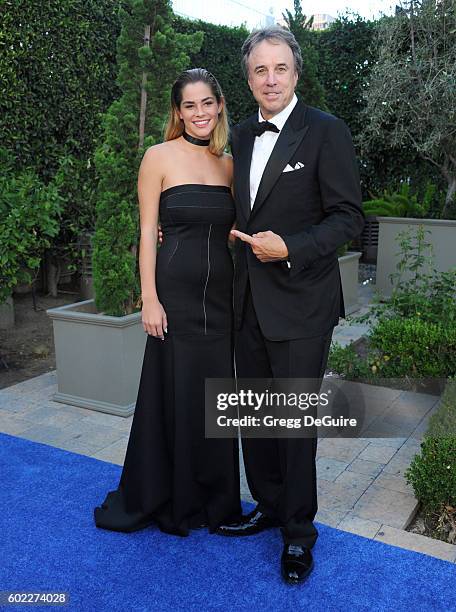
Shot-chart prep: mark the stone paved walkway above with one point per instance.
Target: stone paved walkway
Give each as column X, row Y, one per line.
column 361, row 487
column 348, row 331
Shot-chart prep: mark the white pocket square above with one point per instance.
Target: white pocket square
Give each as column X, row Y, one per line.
column 297, row 166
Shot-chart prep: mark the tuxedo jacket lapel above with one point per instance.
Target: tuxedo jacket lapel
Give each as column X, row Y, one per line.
column 244, row 161
column 288, row 141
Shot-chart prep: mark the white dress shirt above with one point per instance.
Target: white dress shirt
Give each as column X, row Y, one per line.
column 263, row 145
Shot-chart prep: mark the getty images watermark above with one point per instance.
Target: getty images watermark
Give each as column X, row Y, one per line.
column 310, row 408
column 261, row 402
column 264, row 408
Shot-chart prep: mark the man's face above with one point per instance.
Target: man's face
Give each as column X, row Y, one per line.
column 272, row 76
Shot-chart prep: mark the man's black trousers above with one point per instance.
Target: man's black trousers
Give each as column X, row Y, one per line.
column 281, row 472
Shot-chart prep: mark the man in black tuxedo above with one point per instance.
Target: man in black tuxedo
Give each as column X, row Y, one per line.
column 298, row 199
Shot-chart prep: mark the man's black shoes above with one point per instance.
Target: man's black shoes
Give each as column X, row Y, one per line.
column 296, row 563
column 250, row 524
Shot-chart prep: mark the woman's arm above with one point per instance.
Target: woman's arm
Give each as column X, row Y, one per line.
column 150, row 179
column 229, row 166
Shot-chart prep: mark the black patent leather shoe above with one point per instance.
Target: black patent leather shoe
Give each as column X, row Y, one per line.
column 250, row 524
column 296, row 563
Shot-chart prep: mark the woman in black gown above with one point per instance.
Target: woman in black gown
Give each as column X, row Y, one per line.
column 173, row 476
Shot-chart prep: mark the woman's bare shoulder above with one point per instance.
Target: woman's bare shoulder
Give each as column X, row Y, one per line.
column 159, row 152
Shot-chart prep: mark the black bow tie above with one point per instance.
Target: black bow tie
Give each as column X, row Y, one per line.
column 260, row 127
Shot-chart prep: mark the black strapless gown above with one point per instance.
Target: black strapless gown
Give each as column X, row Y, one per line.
column 173, row 476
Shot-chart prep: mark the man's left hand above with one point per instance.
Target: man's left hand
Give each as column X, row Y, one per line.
column 267, row 246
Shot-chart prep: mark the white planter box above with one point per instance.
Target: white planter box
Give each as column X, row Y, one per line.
column 99, row 358
column 349, row 266
column 442, row 238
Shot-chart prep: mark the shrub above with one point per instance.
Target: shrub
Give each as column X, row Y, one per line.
column 401, row 203
column 414, row 348
column 29, row 213
column 432, row 473
column 345, row 360
column 414, row 332
column 405, row 348
column 400, row 348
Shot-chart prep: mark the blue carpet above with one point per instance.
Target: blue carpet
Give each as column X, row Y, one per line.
column 50, row 543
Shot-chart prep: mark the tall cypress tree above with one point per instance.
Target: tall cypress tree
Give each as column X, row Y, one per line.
column 150, row 54
column 309, row 87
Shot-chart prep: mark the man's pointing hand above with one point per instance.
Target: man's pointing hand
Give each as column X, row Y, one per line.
column 267, row 246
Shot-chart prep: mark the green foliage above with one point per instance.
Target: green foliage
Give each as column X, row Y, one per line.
column 414, row 332
column 347, row 54
column 432, row 473
column 342, row 250
column 345, row 61
column 426, row 292
column 221, row 55
column 413, row 347
column 345, row 360
column 443, row 422
column 75, row 181
column 400, row 348
column 309, row 87
column 57, row 75
column 57, row 70
column 401, row 203
column 410, row 99
column 419, row 290
column 117, row 159
column 29, row 214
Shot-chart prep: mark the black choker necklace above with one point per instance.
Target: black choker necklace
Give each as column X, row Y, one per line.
column 195, row 141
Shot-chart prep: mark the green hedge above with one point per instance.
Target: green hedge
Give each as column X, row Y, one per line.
column 413, row 347
column 57, row 74
column 399, row 348
column 432, row 473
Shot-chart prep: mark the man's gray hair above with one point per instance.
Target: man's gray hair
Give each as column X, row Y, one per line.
column 271, row 33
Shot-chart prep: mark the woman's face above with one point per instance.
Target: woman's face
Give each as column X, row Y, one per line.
column 199, row 110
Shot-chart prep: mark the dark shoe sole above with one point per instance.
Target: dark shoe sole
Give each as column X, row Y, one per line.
column 301, row 579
